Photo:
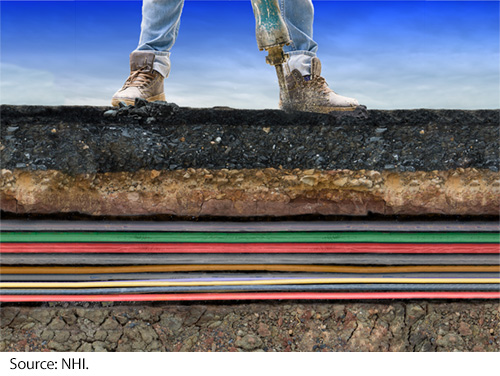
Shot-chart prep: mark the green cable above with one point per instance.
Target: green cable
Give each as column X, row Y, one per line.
column 255, row 237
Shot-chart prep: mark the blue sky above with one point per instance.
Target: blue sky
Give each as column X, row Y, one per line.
column 387, row 54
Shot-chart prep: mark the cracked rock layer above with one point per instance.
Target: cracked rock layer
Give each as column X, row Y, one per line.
column 282, row 326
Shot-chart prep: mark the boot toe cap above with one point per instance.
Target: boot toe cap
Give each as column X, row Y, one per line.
column 341, row 101
column 127, row 96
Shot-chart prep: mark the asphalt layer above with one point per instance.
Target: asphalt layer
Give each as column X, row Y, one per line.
column 163, row 136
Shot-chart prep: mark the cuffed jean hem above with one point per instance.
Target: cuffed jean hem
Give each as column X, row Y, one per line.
column 162, row 61
column 300, row 60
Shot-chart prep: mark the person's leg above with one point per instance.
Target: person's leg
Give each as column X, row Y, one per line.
column 299, row 17
column 307, row 90
column 150, row 61
column 159, row 29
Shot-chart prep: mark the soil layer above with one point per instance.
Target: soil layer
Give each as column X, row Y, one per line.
column 162, row 136
column 159, row 159
column 251, row 193
column 280, row 326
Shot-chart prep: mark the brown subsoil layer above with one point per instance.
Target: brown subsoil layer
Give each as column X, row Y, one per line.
column 252, row 192
column 280, row 326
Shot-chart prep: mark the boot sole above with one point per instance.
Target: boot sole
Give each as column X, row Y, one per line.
column 115, row 102
column 319, row 109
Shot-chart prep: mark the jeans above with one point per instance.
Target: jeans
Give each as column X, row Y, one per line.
column 161, row 21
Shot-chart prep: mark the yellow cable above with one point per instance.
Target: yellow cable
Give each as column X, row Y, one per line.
column 243, row 283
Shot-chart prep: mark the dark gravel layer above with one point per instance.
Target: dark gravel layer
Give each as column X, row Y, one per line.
column 265, row 326
column 163, row 136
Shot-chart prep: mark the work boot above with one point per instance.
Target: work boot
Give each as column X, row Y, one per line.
column 143, row 82
column 312, row 94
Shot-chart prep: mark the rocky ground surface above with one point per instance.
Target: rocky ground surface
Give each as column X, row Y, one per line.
column 160, row 159
column 162, row 136
column 280, row 326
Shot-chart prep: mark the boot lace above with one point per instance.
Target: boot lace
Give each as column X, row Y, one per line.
column 139, row 78
column 320, row 83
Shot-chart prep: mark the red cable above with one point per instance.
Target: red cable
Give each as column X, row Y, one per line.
column 250, row 296
column 247, row 248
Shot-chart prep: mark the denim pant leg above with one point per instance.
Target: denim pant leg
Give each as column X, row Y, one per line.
column 159, row 29
column 299, row 18
column 161, row 21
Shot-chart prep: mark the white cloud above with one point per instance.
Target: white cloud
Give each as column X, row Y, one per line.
column 240, row 83
column 89, row 90
column 244, row 80
column 26, row 86
column 230, row 83
column 451, row 80
column 20, row 85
